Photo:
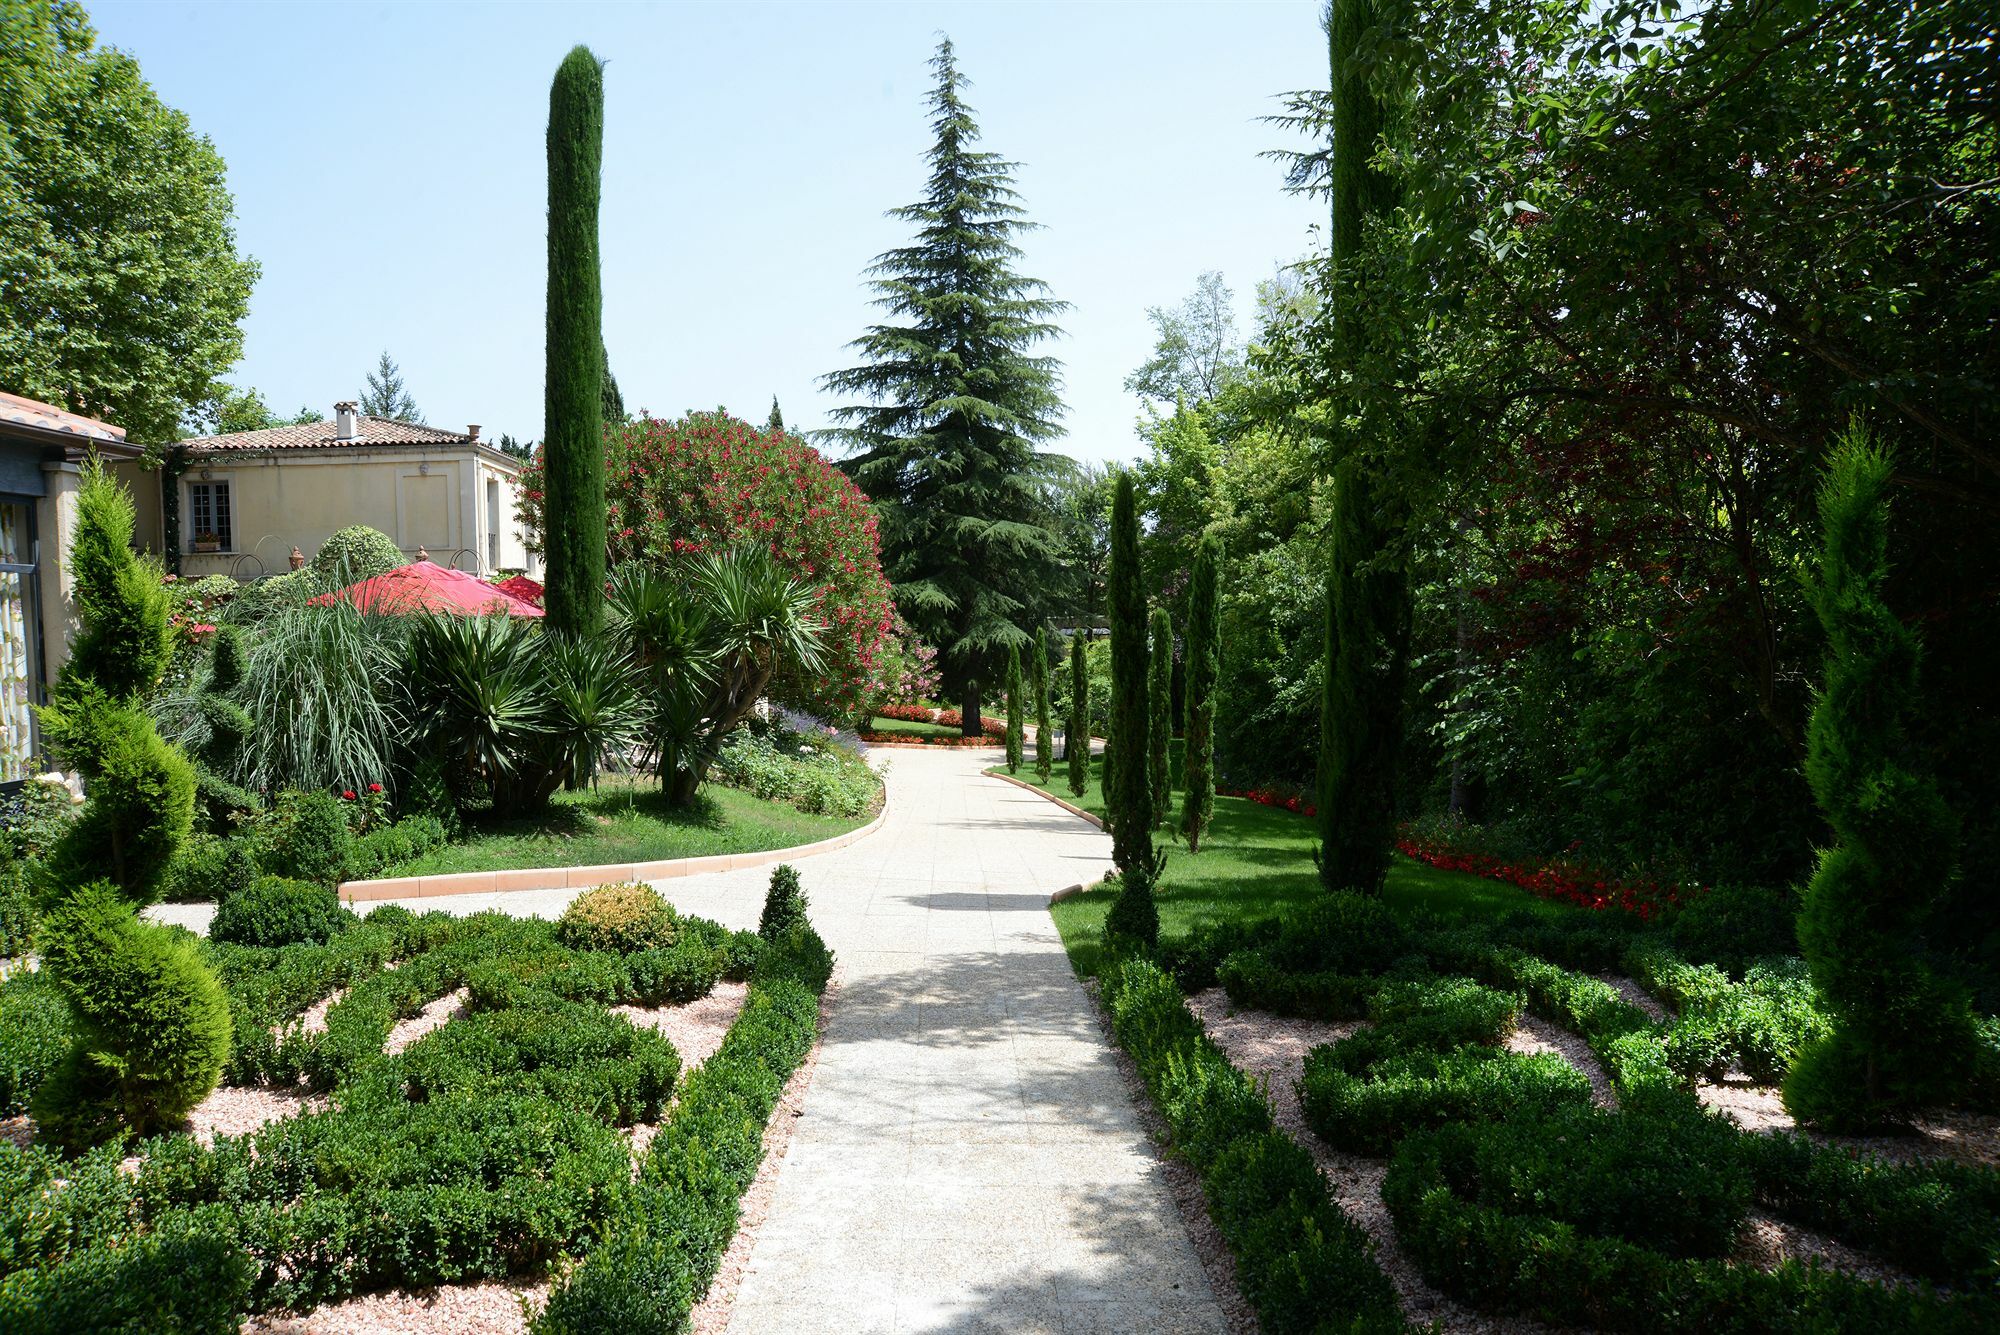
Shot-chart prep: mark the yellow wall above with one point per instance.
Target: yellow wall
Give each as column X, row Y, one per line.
column 434, row 499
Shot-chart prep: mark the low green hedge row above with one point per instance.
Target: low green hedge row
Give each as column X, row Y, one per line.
column 35, row 1036
column 1302, row 1263
column 1256, row 982
column 667, row 1232
column 1495, row 1242
column 1759, row 1024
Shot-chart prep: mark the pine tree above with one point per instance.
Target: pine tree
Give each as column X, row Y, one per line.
column 573, row 390
column 776, row 421
column 1204, row 654
column 1159, row 726
column 1045, row 741
column 612, row 398
column 1902, row 1037
column 1076, row 734
column 1367, row 593
column 1016, row 723
column 387, row 396
column 947, row 444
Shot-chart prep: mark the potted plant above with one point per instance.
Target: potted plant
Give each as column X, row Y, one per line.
column 208, row 542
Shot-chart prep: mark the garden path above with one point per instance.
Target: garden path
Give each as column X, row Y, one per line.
column 968, row 1157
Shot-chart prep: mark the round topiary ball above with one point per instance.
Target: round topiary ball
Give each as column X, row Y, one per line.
column 624, row 917
column 276, row 912
column 357, row 552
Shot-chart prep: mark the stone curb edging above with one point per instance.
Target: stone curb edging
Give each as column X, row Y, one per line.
column 1068, row 891
column 1045, row 793
column 584, row 878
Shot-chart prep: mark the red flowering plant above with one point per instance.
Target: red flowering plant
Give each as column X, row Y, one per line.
column 366, row 810
column 1568, row 879
column 709, row 481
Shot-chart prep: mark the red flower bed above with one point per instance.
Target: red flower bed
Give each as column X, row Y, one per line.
column 920, row 739
column 1296, row 803
column 952, row 718
column 1558, row 879
column 908, row 713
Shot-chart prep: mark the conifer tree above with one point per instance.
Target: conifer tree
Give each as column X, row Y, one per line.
column 958, row 406
column 1128, row 797
column 776, row 421
column 1076, row 734
column 1159, row 724
column 387, row 395
column 1367, row 593
column 1204, row 655
column 1045, row 740
column 1902, row 1037
column 1016, row 709
column 609, row 395
column 573, row 390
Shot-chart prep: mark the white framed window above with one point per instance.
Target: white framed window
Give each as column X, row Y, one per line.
column 210, row 523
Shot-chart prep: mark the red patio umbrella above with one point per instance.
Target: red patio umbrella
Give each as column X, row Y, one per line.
column 527, row 590
column 424, row 586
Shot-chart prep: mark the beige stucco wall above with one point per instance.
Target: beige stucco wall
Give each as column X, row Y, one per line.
column 443, row 500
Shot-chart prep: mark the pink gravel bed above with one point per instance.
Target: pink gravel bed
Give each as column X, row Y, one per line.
column 711, row 1314
column 313, row 1019
column 18, row 1130
column 1767, row 1240
column 696, row 1029
column 1945, row 1133
column 491, row 1307
column 1183, row 1184
column 1273, row 1048
column 1635, row 995
column 434, row 1016
column 236, row 1110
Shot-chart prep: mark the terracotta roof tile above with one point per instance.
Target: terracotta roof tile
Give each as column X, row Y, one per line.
column 374, row 431
column 48, row 417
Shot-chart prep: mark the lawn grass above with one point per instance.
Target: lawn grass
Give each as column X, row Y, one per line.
column 903, row 725
column 626, row 819
column 1257, row 862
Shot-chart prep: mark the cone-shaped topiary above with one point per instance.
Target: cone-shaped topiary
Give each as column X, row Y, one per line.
column 123, row 643
column 1902, row 1037
column 1159, row 725
column 1045, row 740
column 152, row 1023
column 1016, row 709
column 1204, row 656
column 1076, row 739
column 573, row 389
column 785, row 904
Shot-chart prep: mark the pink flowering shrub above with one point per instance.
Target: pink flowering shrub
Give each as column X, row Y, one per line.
column 710, row 480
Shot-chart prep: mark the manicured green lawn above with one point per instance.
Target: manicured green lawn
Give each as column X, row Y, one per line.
column 1257, row 862
column 881, row 724
column 627, row 820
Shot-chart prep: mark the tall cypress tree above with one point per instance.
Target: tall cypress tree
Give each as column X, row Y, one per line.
column 1016, row 709
column 1902, row 1037
column 1128, row 797
column 1159, row 725
column 947, row 444
column 1204, row 658
column 573, row 392
column 1367, row 593
column 1076, row 735
column 1045, row 741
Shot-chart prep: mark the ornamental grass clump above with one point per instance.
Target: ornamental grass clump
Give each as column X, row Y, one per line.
column 623, row 917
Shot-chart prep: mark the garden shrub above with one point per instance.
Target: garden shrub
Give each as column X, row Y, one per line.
column 276, row 912
column 818, row 777
column 352, row 554
column 784, row 904
column 202, row 869
column 577, row 1054
column 152, row 1024
column 309, row 839
column 624, row 917
column 1760, row 1024
column 1397, row 1091
column 17, row 910
column 186, row 1276
column 1444, row 1012
column 666, row 1237
column 1255, row 983
column 1732, row 925
column 35, row 1032
column 141, row 795
column 1624, row 1037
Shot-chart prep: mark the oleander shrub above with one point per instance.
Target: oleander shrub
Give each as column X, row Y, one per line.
column 274, row 911
column 35, row 1032
column 1399, row 1090
column 308, row 838
column 151, row 1029
column 1732, row 925
column 623, row 917
column 785, row 904
column 575, row 1053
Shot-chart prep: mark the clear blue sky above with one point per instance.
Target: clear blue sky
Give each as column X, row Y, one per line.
column 387, row 162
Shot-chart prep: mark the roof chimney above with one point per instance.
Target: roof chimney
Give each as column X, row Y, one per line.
column 347, row 420
column 473, row 431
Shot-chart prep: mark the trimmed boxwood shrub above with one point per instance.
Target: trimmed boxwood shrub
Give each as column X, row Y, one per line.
column 34, row 1035
column 308, row 839
column 1255, row 982
column 1396, row 1092
column 276, row 912
column 1444, row 1012
column 624, row 917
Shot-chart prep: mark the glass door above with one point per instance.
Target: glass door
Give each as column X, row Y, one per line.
column 20, row 651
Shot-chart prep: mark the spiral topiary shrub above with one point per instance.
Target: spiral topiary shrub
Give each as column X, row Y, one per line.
column 152, row 1025
column 622, row 917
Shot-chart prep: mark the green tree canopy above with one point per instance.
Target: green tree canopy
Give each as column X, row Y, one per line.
column 387, row 395
column 957, row 407
column 125, row 292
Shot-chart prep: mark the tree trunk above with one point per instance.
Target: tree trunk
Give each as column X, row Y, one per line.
column 970, row 724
